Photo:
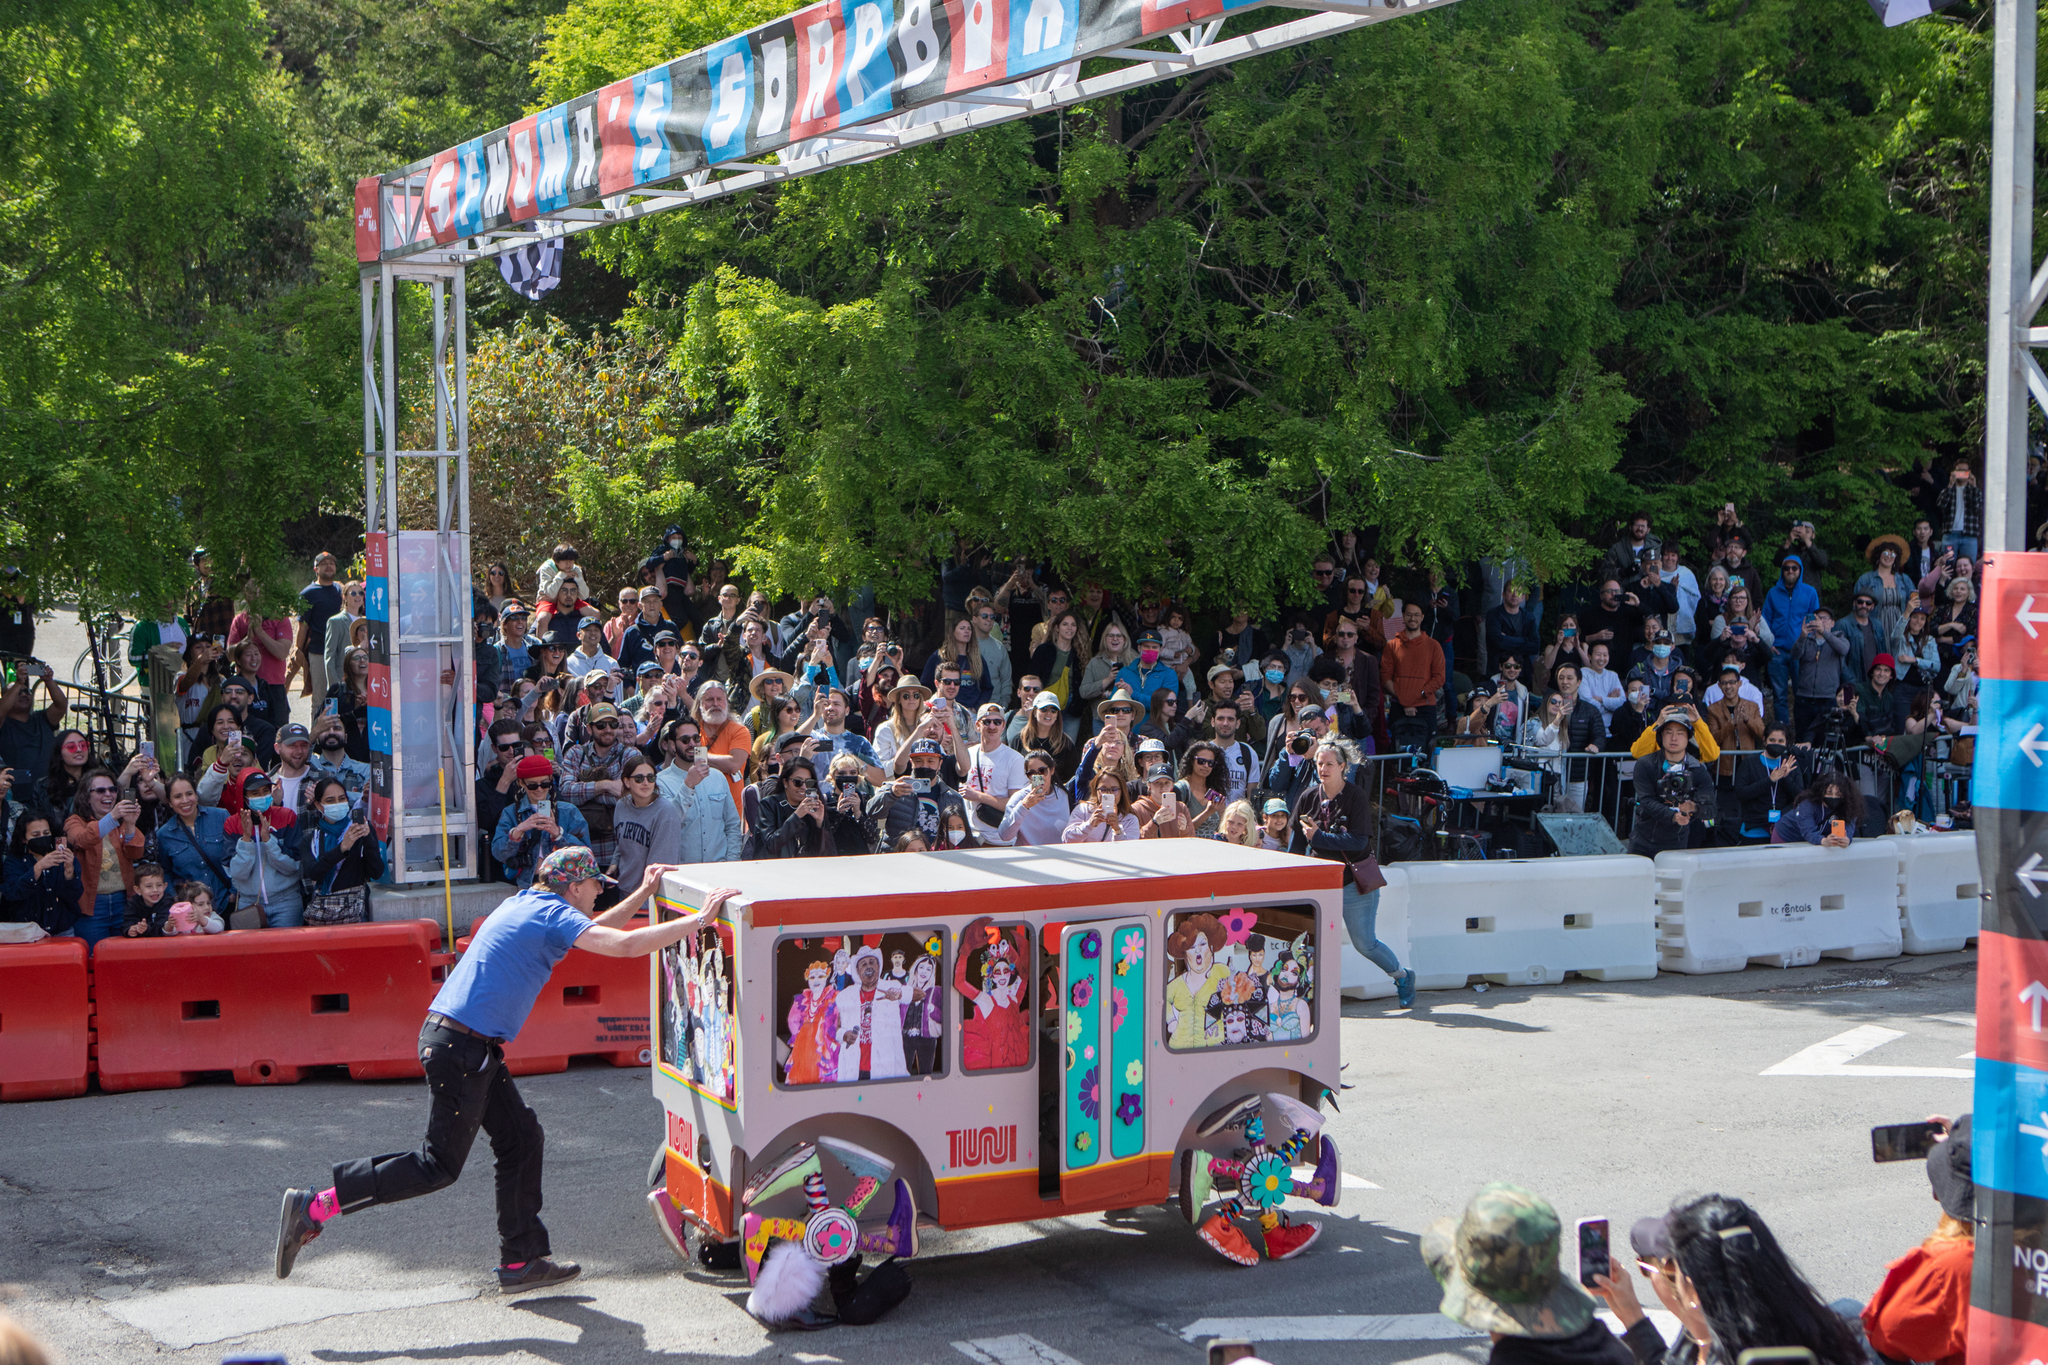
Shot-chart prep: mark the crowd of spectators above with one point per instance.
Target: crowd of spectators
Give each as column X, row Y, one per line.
column 1699, row 686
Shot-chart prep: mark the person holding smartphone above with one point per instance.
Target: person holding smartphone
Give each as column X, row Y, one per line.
column 1106, row 817
column 1038, row 811
column 339, row 854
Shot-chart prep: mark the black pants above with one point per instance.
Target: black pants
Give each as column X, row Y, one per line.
column 1810, row 718
column 471, row 1088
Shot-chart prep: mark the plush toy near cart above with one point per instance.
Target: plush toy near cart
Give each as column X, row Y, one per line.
column 864, row 1049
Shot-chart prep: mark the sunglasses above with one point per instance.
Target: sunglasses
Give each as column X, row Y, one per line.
column 104, row 791
column 1205, row 762
column 1121, row 711
column 1347, row 635
column 641, row 777
column 538, row 786
column 984, row 616
column 1297, row 696
column 508, row 748
column 1326, row 573
column 992, row 720
column 1056, row 601
column 604, row 725
column 801, row 785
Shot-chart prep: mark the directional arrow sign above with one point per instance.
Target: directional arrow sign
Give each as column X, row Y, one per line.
column 2027, row 617
column 1832, row 1057
column 2030, row 875
column 2031, row 744
column 2032, row 996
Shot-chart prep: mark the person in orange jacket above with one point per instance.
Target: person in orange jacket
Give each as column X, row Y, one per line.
column 1922, row 1310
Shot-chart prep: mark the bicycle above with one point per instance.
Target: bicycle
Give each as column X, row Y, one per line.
column 99, row 664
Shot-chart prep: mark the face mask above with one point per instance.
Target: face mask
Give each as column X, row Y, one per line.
column 337, row 811
column 260, row 804
column 1276, row 676
column 1636, row 694
column 1660, row 651
column 1149, row 656
column 43, row 843
column 954, row 836
column 675, row 543
column 1775, row 750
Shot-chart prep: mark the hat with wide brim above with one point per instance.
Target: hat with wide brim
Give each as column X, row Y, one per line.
column 912, row 686
column 754, row 683
column 1121, row 697
column 1498, row 1266
column 1898, row 544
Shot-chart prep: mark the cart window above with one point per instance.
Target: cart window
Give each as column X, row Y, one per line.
column 1241, row 977
column 994, row 978
column 696, row 1010
column 860, row 1007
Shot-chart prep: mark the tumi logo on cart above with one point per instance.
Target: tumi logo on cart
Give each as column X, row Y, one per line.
column 681, row 1140
column 982, row 1146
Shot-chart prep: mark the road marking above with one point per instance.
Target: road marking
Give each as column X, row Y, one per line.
column 1366, row 1327
column 1832, row 1058
column 183, row 1318
column 1017, row 1349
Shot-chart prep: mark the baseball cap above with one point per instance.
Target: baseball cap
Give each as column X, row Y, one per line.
column 1310, row 713
column 1498, row 1266
column 1151, row 746
column 1663, row 637
column 565, row 867
column 599, row 710
column 1275, row 806
column 1148, row 633
column 667, row 637
column 237, row 680
column 1159, row 772
column 644, row 669
column 927, row 746
column 987, row 709
column 511, row 609
column 293, row 733
column 650, row 591
column 588, row 623
column 1651, row 1238
column 1046, row 701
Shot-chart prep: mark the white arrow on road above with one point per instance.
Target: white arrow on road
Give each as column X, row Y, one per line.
column 2034, row 995
column 2031, row 744
column 1832, row 1058
column 2028, row 616
column 2030, row 875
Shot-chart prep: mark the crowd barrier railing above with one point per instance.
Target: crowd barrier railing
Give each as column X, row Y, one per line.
column 45, row 1020
column 264, row 1006
column 1784, row 905
column 1939, row 905
column 1522, row 922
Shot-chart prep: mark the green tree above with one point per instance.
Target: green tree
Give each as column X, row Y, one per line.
column 167, row 372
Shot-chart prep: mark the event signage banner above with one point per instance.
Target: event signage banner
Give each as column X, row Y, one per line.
column 827, row 67
column 2009, row 1123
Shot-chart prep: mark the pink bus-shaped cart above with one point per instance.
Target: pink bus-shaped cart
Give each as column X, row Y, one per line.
column 869, row 1047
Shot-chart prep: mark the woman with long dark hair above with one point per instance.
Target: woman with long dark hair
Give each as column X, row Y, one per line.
column 1747, row 1289
column 1830, row 800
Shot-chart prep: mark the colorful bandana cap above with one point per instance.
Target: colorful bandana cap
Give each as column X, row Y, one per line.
column 565, row 867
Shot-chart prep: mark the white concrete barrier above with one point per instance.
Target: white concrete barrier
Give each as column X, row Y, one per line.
column 1786, row 905
column 1514, row 922
column 1939, row 908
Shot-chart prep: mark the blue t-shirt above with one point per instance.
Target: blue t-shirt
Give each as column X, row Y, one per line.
column 493, row 988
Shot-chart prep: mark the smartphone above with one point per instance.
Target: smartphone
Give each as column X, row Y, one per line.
column 921, row 785
column 1593, row 1257
column 1838, row 828
column 1226, row 1352
column 1762, row 1355
column 1107, row 805
column 544, row 809
column 333, row 706
column 1038, row 782
column 147, row 749
column 1903, row 1141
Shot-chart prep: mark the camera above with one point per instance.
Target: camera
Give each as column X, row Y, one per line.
column 1301, row 743
column 1674, row 787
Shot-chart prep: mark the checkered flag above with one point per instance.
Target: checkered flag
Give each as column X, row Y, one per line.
column 534, row 269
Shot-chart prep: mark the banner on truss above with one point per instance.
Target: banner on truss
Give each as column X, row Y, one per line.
column 827, row 67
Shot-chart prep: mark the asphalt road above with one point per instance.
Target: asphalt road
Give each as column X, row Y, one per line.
column 139, row 1226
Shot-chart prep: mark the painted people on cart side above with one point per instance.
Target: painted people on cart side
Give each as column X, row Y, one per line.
column 813, row 1046
column 996, row 1031
column 1234, row 1011
column 923, row 1015
column 870, row 1023
column 1287, row 1009
column 1193, row 947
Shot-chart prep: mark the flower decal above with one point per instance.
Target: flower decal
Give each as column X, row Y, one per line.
column 1237, row 925
column 1267, row 1181
column 1088, row 1053
column 1131, row 954
column 1091, row 1093
column 1083, row 1140
column 933, row 944
column 1082, row 992
column 1134, row 1074
column 1091, row 945
column 1119, row 1008
column 1128, row 1108
column 1073, row 1026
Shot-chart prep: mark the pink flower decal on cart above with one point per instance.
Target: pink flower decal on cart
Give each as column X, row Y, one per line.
column 1082, row 992
column 1237, row 925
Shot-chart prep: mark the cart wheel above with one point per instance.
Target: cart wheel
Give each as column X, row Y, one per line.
column 657, row 1169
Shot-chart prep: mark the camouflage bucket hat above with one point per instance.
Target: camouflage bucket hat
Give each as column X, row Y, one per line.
column 1499, row 1267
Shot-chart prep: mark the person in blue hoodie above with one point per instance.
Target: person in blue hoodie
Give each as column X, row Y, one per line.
column 1785, row 609
column 1148, row 673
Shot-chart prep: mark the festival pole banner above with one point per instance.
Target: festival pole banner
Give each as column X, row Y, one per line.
column 2009, row 1126
column 827, row 68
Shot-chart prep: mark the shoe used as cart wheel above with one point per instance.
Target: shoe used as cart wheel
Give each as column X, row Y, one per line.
column 1288, row 1240
column 1228, row 1240
column 669, row 1220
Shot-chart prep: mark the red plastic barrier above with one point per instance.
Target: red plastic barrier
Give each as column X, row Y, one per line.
column 265, row 1004
column 45, row 1018
column 592, row 1006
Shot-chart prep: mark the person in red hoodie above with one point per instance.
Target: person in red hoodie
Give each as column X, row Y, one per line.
column 1922, row 1310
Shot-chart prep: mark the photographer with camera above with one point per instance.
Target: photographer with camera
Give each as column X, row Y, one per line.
column 1674, row 791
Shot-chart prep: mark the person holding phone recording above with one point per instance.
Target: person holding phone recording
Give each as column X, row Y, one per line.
column 1921, row 1311
column 1106, row 817
column 338, row 853
column 536, row 825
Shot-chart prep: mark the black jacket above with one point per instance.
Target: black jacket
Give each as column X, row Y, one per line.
column 1596, row 1345
column 1759, row 795
column 897, row 815
column 1657, row 826
column 50, row 900
column 1356, row 839
column 779, row 832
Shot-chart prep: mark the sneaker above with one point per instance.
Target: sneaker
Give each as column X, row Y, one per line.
column 295, row 1228
column 1404, row 989
column 1289, row 1240
column 1229, row 1240
column 538, row 1273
